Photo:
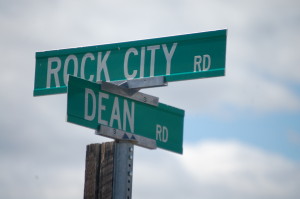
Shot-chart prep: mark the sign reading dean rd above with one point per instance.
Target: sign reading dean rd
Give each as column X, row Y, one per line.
column 183, row 57
column 90, row 106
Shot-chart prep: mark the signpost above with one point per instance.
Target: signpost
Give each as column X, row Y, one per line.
column 90, row 106
column 176, row 58
column 117, row 110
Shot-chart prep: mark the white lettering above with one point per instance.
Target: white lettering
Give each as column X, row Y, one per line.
column 142, row 63
column 206, row 62
column 66, row 65
column 101, row 65
column 101, row 107
column 152, row 59
column 158, row 132
column 125, row 118
column 87, row 116
column 162, row 133
column 197, row 62
column 165, row 134
column 169, row 56
column 129, row 115
column 53, row 71
column 128, row 52
column 115, row 114
column 83, row 61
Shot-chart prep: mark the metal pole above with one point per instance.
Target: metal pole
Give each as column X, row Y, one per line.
column 123, row 170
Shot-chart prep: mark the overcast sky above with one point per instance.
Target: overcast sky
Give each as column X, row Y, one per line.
column 242, row 131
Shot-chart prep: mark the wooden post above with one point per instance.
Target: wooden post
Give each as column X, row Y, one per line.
column 108, row 170
column 99, row 171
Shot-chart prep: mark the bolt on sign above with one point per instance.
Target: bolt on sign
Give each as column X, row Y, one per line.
column 90, row 106
column 183, row 57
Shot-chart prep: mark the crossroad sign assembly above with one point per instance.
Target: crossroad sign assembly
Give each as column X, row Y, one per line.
column 183, row 57
column 103, row 82
column 90, row 106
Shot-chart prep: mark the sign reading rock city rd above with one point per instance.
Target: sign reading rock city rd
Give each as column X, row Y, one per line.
column 192, row 56
column 90, row 106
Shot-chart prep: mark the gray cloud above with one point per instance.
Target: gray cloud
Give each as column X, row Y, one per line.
column 42, row 156
column 214, row 169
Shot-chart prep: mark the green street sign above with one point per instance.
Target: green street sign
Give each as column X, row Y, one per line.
column 90, row 106
column 184, row 57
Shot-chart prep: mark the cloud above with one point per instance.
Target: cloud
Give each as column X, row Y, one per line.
column 27, row 179
column 209, row 169
column 293, row 137
column 215, row 169
column 42, row 156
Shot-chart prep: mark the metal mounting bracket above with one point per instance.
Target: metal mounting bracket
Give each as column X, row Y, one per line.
column 129, row 93
column 125, row 136
column 147, row 82
column 130, row 88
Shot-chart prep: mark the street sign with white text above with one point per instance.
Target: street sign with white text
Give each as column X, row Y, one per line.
column 183, row 57
column 90, row 106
